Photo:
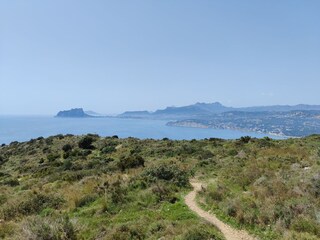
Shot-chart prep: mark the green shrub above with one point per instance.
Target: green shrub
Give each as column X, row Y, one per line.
column 118, row 192
column 47, row 229
column 202, row 232
column 206, row 154
column 67, row 164
column 316, row 185
column 108, row 149
column 67, row 148
column 186, row 149
column 164, row 192
column 59, row 136
column 265, row 142
column 12, row 182
column 70, row 176
column 49, row 140
column 37, row 202
column 3, row 199
column 124, row 232
column 245, row 139
column 170, row 173
column 86, row 142
column 33, row 204
column 217, row 193
column 131, row 161
column 243, row 209
column 7, row 229
column 304, row 224
column 53, row 156
column 232, row 152
column 300, row 236
column 46, row 212
column 85, row 200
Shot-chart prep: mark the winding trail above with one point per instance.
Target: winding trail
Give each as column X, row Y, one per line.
column 229, row 232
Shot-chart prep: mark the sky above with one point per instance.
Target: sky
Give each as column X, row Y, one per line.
column 113, row 56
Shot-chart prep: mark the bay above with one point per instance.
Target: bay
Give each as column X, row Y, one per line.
column 24, row 128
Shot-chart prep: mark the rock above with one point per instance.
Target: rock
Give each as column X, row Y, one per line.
column 73, row 113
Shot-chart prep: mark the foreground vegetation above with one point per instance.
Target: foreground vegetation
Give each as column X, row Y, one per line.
column 89, row 187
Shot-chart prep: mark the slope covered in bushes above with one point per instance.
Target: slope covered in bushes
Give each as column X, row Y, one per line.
column 89, row 187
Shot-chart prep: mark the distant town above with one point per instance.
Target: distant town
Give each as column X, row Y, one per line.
column 281, row 120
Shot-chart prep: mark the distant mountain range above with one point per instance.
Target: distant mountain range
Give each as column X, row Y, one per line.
column 206, row 109
column 298, row 120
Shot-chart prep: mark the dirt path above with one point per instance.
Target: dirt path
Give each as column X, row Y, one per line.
column 229, row 232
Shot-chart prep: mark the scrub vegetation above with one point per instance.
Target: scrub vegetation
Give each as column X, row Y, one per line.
column 91, row 187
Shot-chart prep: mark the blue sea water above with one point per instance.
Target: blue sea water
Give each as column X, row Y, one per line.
column 24, row 128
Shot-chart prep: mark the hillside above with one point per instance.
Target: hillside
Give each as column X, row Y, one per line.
column 89, row 187
column 208, row 109
column 293, row 121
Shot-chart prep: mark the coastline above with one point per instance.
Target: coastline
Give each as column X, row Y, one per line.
column 202, row 126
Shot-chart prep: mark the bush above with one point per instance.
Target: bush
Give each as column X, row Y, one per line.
column 265, row 142
column 12, row 182
column 164, row 193
column 245, row 139
column 108, row 149
column 202, row 232
column 59, row 136
column 85, row 200
column 206, row 154
column 31, row 205
column 38, row 202
column 232, row 152
column 52, row 157
column 67, row 164
column 217, row 193
column 316, row 185
column 171, row 173
column 86, row 142
column 3, row 199
column 303, row 224
column 7, row 229
column 243, row 209
column 131, row 161
column 300, row 236
column 48, row 229
column 118, row 192
column 186, row 149
column 67, row 148
column 124, row 232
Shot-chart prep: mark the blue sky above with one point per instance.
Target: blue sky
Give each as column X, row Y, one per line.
column 112, row 56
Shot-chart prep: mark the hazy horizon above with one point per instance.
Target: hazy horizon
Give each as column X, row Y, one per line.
column 118, row 56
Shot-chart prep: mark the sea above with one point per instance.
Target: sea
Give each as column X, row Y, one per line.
column 24, row 128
